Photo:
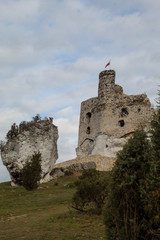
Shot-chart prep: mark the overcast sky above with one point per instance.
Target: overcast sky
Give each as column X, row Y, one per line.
column 52, row 51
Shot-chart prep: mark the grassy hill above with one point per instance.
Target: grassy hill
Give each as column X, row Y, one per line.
column 45, row 214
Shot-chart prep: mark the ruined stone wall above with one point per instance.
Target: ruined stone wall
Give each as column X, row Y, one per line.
column 108, row 120
column 36, row 136
column 102, row 163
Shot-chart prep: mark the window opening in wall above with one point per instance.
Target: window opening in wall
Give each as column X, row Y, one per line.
column 88, row 116
column 106, row 145
column 139, row 109
column 124, row 112
column 121, row 123
column 88, row 130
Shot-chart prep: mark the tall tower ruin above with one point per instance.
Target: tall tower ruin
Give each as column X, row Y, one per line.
column 107, row 121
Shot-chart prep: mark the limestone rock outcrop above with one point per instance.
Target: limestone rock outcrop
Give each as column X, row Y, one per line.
column 24, row 141
column 107, row 121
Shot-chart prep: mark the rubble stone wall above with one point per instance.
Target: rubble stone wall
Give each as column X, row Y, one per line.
column 107, row 121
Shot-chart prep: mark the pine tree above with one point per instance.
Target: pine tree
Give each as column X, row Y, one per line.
column 31, row 173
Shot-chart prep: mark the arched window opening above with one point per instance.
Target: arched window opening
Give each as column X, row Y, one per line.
column 139, row 109
column 121, row 123
column 88, row 130
column 88, row 116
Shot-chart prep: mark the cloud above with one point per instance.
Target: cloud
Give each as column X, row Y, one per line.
column 51, row 53
column 68, row 126
column 4, row 176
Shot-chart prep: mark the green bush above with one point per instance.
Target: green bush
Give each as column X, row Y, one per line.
column 31, row 173
column 92, row 189
column 131, row 210
column 155, row 124
column 13, row 132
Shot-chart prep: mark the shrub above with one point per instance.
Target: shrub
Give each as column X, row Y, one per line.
column 155, row 124
column 37, row 118
column 31, row 173
column 92, row 189
column 25, row 126
column 131, row 207
column 13, row 132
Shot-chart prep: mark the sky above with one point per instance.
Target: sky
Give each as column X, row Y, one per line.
column 52, row 51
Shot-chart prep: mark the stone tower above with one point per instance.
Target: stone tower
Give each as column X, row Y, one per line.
column 107, row 121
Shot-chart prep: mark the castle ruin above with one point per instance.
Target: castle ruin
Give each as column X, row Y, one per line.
column 107, row 121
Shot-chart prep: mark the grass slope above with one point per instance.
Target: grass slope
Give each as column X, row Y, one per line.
column 44, row 214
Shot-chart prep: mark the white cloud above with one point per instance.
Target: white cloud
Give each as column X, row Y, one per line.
column 68, row 111
column 67, row 126
column 4, row 175
column 15, row 11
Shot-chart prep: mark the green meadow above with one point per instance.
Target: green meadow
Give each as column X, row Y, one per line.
column 46, row 214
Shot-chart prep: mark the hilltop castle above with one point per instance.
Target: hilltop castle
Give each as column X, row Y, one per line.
column 107, row 121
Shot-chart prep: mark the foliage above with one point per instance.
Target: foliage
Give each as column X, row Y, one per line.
column 131, row 210
column 37, row 118
column 13, row 132
column 158, row 99
column 31, row 172
column 155, row 124
column 92, row 190
column 156, row 140
column 25, row 126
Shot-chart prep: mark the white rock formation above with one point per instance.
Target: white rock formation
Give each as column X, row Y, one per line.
column 31, row 137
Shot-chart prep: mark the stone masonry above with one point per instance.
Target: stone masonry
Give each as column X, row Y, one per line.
column 107, row 121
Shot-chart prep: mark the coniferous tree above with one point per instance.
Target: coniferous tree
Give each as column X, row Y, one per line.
column 131, row 210
column 155, row 141
column 31, row 173
column 155, row 124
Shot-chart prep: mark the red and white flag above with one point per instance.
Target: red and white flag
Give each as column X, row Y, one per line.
column 108, row 64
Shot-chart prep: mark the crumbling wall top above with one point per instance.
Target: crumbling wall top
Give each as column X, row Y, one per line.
column 107, row 73
column 106, row 83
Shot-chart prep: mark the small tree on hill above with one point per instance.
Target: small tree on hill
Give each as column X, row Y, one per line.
column 92, row 190
column 131, row 208
column 31, row 173
column 36, row 118
column 13, row 132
